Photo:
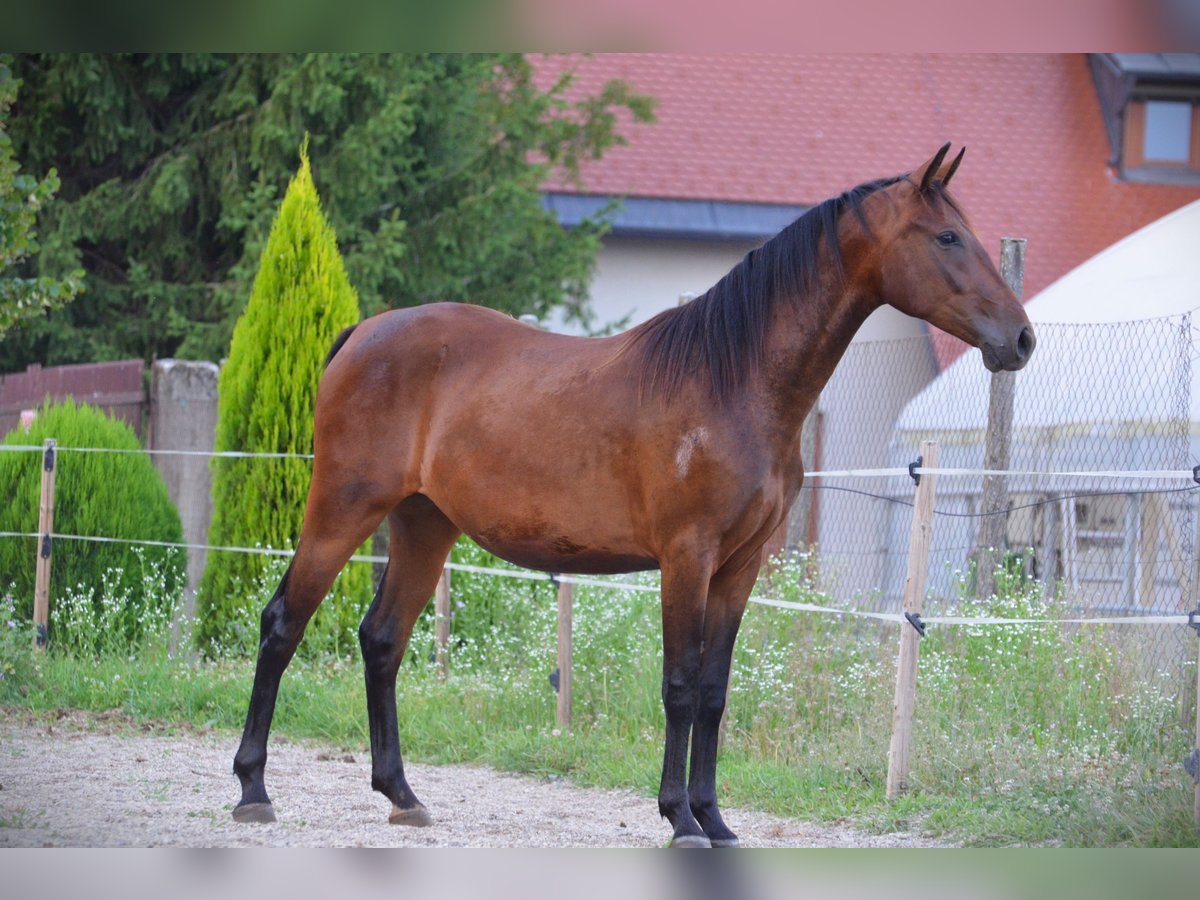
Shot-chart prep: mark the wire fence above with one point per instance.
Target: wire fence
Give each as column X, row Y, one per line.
column 1101, row 509
column 878, row 611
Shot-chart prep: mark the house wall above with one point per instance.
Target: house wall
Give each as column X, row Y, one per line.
column 639, row 277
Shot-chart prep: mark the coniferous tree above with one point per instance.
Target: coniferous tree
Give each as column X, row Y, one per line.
column 301, row 299
column 21, row 196
column 431, row 168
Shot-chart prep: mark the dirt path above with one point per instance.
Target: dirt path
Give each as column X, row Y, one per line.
column 79, row 781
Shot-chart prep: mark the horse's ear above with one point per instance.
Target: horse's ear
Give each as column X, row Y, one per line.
column 953, row 167
column 926, row 173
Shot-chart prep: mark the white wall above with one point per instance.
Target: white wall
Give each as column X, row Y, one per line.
column 639, row 277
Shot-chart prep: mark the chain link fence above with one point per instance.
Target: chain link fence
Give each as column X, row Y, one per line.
column 1116, row 398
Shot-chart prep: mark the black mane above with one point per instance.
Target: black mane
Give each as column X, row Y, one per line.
column 722, row 331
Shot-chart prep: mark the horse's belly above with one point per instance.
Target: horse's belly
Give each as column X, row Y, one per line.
column 558, row 554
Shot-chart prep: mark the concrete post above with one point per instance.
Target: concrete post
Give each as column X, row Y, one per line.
column 183, row 416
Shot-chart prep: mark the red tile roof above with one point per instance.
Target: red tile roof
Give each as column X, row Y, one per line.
column 798, row 129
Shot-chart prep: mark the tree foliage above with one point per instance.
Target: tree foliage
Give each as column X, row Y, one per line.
column 172, row 165
column 301, row 300
column 21, row 196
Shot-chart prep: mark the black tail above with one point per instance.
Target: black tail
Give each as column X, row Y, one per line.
column 337, row 343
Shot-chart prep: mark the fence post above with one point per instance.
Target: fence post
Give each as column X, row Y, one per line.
column 990, row 548
column 441, row 610
column 1196, row 747
column 41, row 590
column 566, row 602
column 914, row 594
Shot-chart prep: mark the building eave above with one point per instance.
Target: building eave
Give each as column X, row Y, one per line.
column 675, row 218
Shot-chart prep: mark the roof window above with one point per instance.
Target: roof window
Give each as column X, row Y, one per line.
column 1151, row 106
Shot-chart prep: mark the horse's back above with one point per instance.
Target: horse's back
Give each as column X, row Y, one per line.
column 461, row 335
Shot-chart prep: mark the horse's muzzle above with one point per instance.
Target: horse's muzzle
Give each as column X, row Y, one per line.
column 1010, row 355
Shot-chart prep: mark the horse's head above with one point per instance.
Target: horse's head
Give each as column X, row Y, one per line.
column 932, row 266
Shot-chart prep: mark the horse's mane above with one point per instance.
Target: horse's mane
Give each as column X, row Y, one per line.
column 722, row 331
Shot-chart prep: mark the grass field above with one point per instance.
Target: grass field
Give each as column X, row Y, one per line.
column 1023, row 735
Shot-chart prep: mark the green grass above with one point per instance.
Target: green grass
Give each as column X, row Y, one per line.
column 1024, row 735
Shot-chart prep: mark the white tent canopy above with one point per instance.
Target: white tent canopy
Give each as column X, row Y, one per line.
column 1153, row 272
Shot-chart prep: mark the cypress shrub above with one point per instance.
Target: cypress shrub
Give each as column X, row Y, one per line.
column 300, row 301
column 117, row 587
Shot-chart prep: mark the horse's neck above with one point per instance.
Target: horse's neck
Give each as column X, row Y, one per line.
column 808, row 337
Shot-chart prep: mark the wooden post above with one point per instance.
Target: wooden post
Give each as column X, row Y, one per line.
column 1131, row 539
column 1196, row 750
column 441, row 609
column 990, row 546
column 566, row 603
column 1151, row 530
column 41, row 590
column 914, row 595
column 1070, row 543
column 1050, row 541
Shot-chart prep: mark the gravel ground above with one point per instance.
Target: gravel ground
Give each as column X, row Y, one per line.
column 73, row 780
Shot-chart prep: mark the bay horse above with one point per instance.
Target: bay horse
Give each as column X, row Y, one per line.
column 673, row 446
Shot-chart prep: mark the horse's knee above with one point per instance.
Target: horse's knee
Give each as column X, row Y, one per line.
column 679, row 695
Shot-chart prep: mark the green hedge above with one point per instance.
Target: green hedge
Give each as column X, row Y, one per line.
column 119, row 495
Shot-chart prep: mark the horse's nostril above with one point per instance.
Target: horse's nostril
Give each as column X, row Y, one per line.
column 1025, row 343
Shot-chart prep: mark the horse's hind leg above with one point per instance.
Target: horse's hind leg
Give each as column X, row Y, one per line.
column 331, row 534
column 420, row 539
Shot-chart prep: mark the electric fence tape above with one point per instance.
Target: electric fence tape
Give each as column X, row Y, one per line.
column 527, row 575
column 1145, row 474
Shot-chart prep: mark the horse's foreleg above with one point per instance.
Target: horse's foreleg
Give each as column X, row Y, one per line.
column 684, row 589
column 723, row 615
column 420, row 540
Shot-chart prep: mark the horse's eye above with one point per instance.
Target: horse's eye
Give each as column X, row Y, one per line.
column 947, row 238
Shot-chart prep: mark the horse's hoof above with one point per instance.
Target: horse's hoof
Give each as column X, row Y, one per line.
column 417, row 817
column 254, row 812
column 726, row 843
column 689, row 841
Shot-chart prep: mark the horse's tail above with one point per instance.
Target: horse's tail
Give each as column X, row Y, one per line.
column 337, row 343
